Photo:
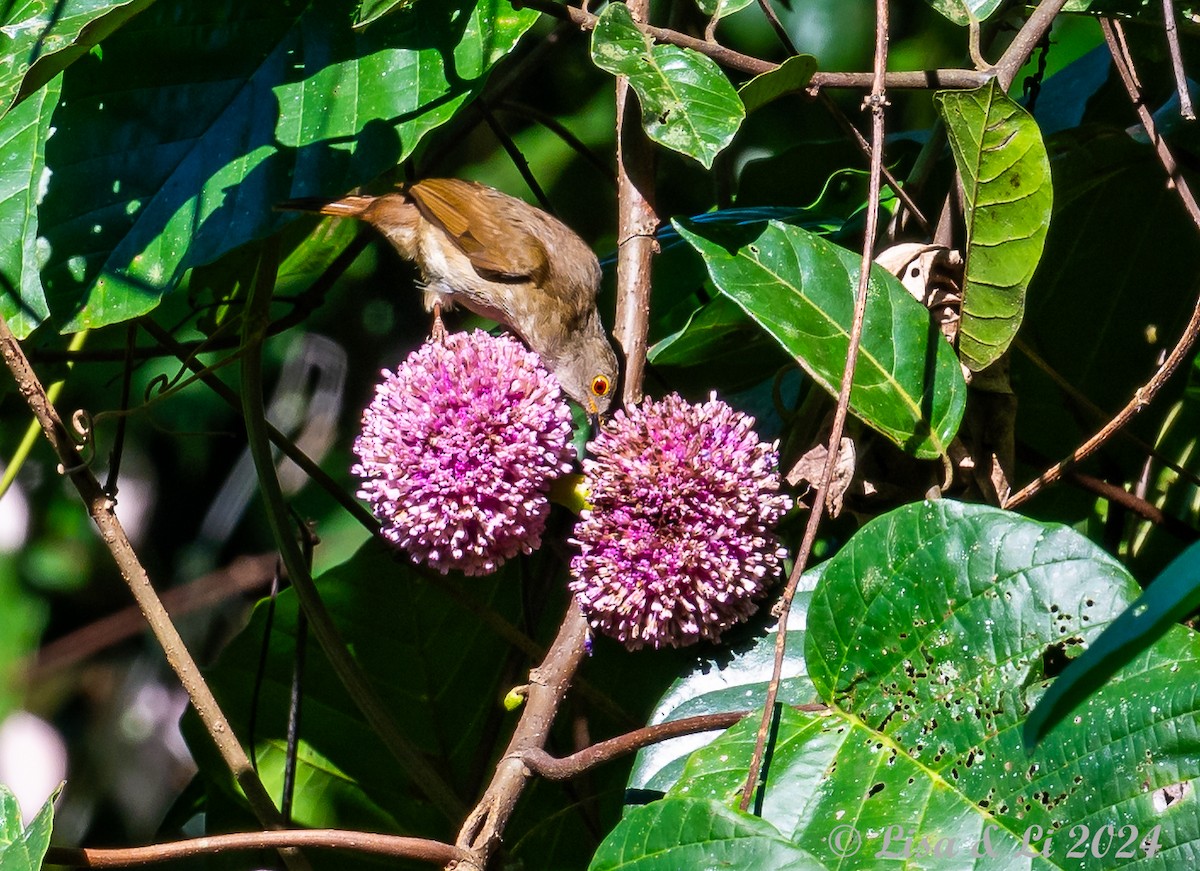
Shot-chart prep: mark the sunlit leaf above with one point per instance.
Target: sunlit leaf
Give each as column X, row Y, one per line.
column 962, row 11
column 23, row 849
column 800, row 288
column 1008, row 197
column 173, row 147
column 23, row 134
column 44, row 37
column 687, row 103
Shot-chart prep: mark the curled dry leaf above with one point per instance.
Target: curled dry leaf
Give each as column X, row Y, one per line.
column 933, row 275
column 810, row 467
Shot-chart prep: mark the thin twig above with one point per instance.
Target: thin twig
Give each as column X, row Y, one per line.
column 1076, row 395
column 537, row 116
column 286, row 445
column 102, row 510
column 876, row 102
column 515, row 155
column 553, row 768
column 1136, row 504
column 1181, row 83
column 920, row 80
column 1113, row 35
column 118, row 449
column 420, row 849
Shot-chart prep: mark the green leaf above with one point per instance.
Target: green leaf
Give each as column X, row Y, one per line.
column 23, row 134
column 930, row 636
column 800, row 288
column 687, row 103
column 47, row 36
column 697, row 833
column 23, row 850
column 789, row 77
column 1170, row 597
column 963, row 11
column 1005, row 173
column 275, row 100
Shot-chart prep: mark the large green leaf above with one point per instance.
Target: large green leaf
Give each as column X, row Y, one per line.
column 172, row 148
column 697, row 833
column 687, row 103
column 23, row 134
column 800, row 288
column 44, row 37
column 930, row 636
column 1008, row 197
column 23, row 849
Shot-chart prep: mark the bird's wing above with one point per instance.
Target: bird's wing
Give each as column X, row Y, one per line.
column 466, row 212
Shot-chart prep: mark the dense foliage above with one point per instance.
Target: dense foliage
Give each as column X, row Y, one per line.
column 970, row 663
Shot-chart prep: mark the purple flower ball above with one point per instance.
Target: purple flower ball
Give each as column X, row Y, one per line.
column 677, row 544
column 458, row 450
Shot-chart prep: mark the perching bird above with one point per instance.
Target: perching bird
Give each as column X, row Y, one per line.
column 505, row 260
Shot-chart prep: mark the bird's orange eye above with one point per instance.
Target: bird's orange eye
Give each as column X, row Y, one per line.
column 601, row 385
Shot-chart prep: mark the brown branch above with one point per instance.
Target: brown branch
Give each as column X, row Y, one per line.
column 1021, row 48
column 245, row 574
column 420, row 849
column 553, row 768
column 101, row 508
column 548, row 684
column 876, row 102
column 637, row 222
column 1114, row 36
column 1077, row 396
column 1181, row 83
column 922, row 80
column 1139, row 506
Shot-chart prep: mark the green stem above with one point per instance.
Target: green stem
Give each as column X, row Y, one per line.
column 424, row 776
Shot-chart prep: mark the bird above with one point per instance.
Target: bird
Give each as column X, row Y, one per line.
column 503, row 259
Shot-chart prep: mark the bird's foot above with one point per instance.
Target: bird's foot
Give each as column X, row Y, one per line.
column 438, row 331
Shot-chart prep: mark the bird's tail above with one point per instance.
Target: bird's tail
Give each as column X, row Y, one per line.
column 346, row 207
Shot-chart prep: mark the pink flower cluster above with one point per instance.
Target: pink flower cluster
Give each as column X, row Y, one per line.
column 460, row 446
column 458, row 450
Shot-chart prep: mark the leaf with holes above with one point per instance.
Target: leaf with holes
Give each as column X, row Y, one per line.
column 687, row 103
column 161, row 164
column 800, row 288
column 23, row 134
column 1006, row 184
column 930, row 636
